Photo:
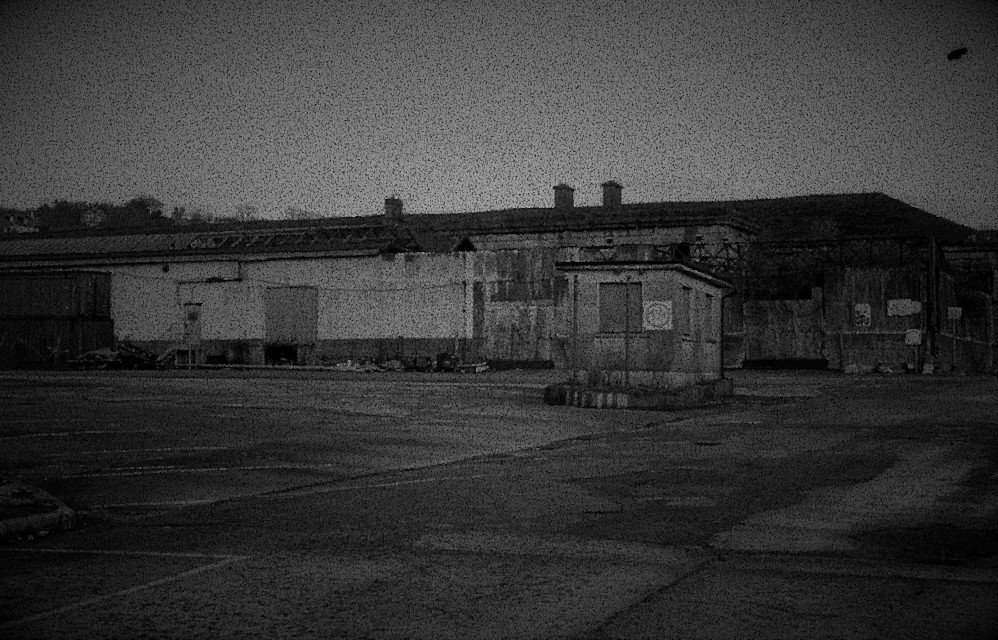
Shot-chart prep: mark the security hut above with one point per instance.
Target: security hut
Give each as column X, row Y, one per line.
column 645, row 329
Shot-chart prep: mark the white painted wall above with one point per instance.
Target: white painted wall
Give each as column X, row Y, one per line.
column 146, row 302
column 412, row 295
column 229, row 310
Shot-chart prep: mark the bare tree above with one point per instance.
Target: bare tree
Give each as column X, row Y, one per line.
column 296, row 213
column 191, row 215
column 145, row 204
column 200, row 214
column 247, row 212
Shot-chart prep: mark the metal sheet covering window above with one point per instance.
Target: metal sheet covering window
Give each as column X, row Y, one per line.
column 686, row 312
column 620, row 307
column 710, row 328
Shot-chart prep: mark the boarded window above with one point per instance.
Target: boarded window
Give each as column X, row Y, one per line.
column 620, row 307
column 709, row 325
column 687, row 311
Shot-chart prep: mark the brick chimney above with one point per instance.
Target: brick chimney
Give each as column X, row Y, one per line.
column 393, row 210
column 564, row 196
column 611, row 194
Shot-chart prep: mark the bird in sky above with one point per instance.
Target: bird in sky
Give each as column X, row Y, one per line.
column 956, row 54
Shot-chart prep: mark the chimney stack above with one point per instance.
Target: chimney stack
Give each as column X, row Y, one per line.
column 564, row 196
column 611, row 194
column 393, row 210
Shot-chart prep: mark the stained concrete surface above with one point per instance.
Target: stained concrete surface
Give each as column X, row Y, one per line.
column 809, row 505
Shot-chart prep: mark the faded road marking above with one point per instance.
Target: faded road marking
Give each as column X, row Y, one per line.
column 221, row 561
column 143, row 450
column 171, row 503
column 44, row 420
column 359, row 487
column 64, row 434
column 160, row 470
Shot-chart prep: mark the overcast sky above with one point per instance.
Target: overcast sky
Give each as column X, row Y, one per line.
column 458, row 105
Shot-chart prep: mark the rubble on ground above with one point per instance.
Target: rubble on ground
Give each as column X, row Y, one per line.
column 28, row 512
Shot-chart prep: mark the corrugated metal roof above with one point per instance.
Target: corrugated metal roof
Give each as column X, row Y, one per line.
column 662, row 214
column 252, row 240
column 420, row 232
column 848, row 215
column 804, row 217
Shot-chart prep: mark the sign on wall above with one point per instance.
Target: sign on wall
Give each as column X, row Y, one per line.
column 192, row 325
column 954, row 313
column 903, row 307
column 862, row 314
column 657, row 315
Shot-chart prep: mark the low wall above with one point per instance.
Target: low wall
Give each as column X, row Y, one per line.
column 652, row 379
column 590, row 397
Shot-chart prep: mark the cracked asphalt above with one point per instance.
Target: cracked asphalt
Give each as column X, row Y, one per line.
column 278, row 505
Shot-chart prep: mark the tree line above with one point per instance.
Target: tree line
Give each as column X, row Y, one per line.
column 141, row 212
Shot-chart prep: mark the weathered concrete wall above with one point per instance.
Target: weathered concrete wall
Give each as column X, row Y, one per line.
column 967, row 343
column 524, row 308
column 784, row 329
column 517, row 305
column 887, row 336
column 854, row 338
column 868, row 317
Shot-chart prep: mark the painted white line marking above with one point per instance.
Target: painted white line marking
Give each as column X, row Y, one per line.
column 380, row 485
column 685, row 468
column 173, row 503
column 119, row 552
column 65, row 434
column 145, row 450
column 401, row 483
column 239, row 405
column 157, row 470
column 125, row 592
column 44, row 420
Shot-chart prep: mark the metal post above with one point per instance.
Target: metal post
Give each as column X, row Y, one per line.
column 627, row 331
column 933, row 312
column 464, row 314
column 952, row 330
column 575, row 329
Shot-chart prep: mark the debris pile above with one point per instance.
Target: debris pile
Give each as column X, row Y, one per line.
column 28, row 512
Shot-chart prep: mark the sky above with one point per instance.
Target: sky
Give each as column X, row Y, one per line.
column 463, row 105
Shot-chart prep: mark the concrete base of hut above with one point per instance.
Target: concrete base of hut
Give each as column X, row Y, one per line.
column 695, row 395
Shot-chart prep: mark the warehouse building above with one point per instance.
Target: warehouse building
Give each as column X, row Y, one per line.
column 484, row 285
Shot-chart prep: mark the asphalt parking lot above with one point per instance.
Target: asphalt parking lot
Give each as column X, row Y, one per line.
column 235, row 504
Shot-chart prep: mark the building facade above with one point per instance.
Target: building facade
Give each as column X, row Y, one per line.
column 485, row 285
column 642, row 318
